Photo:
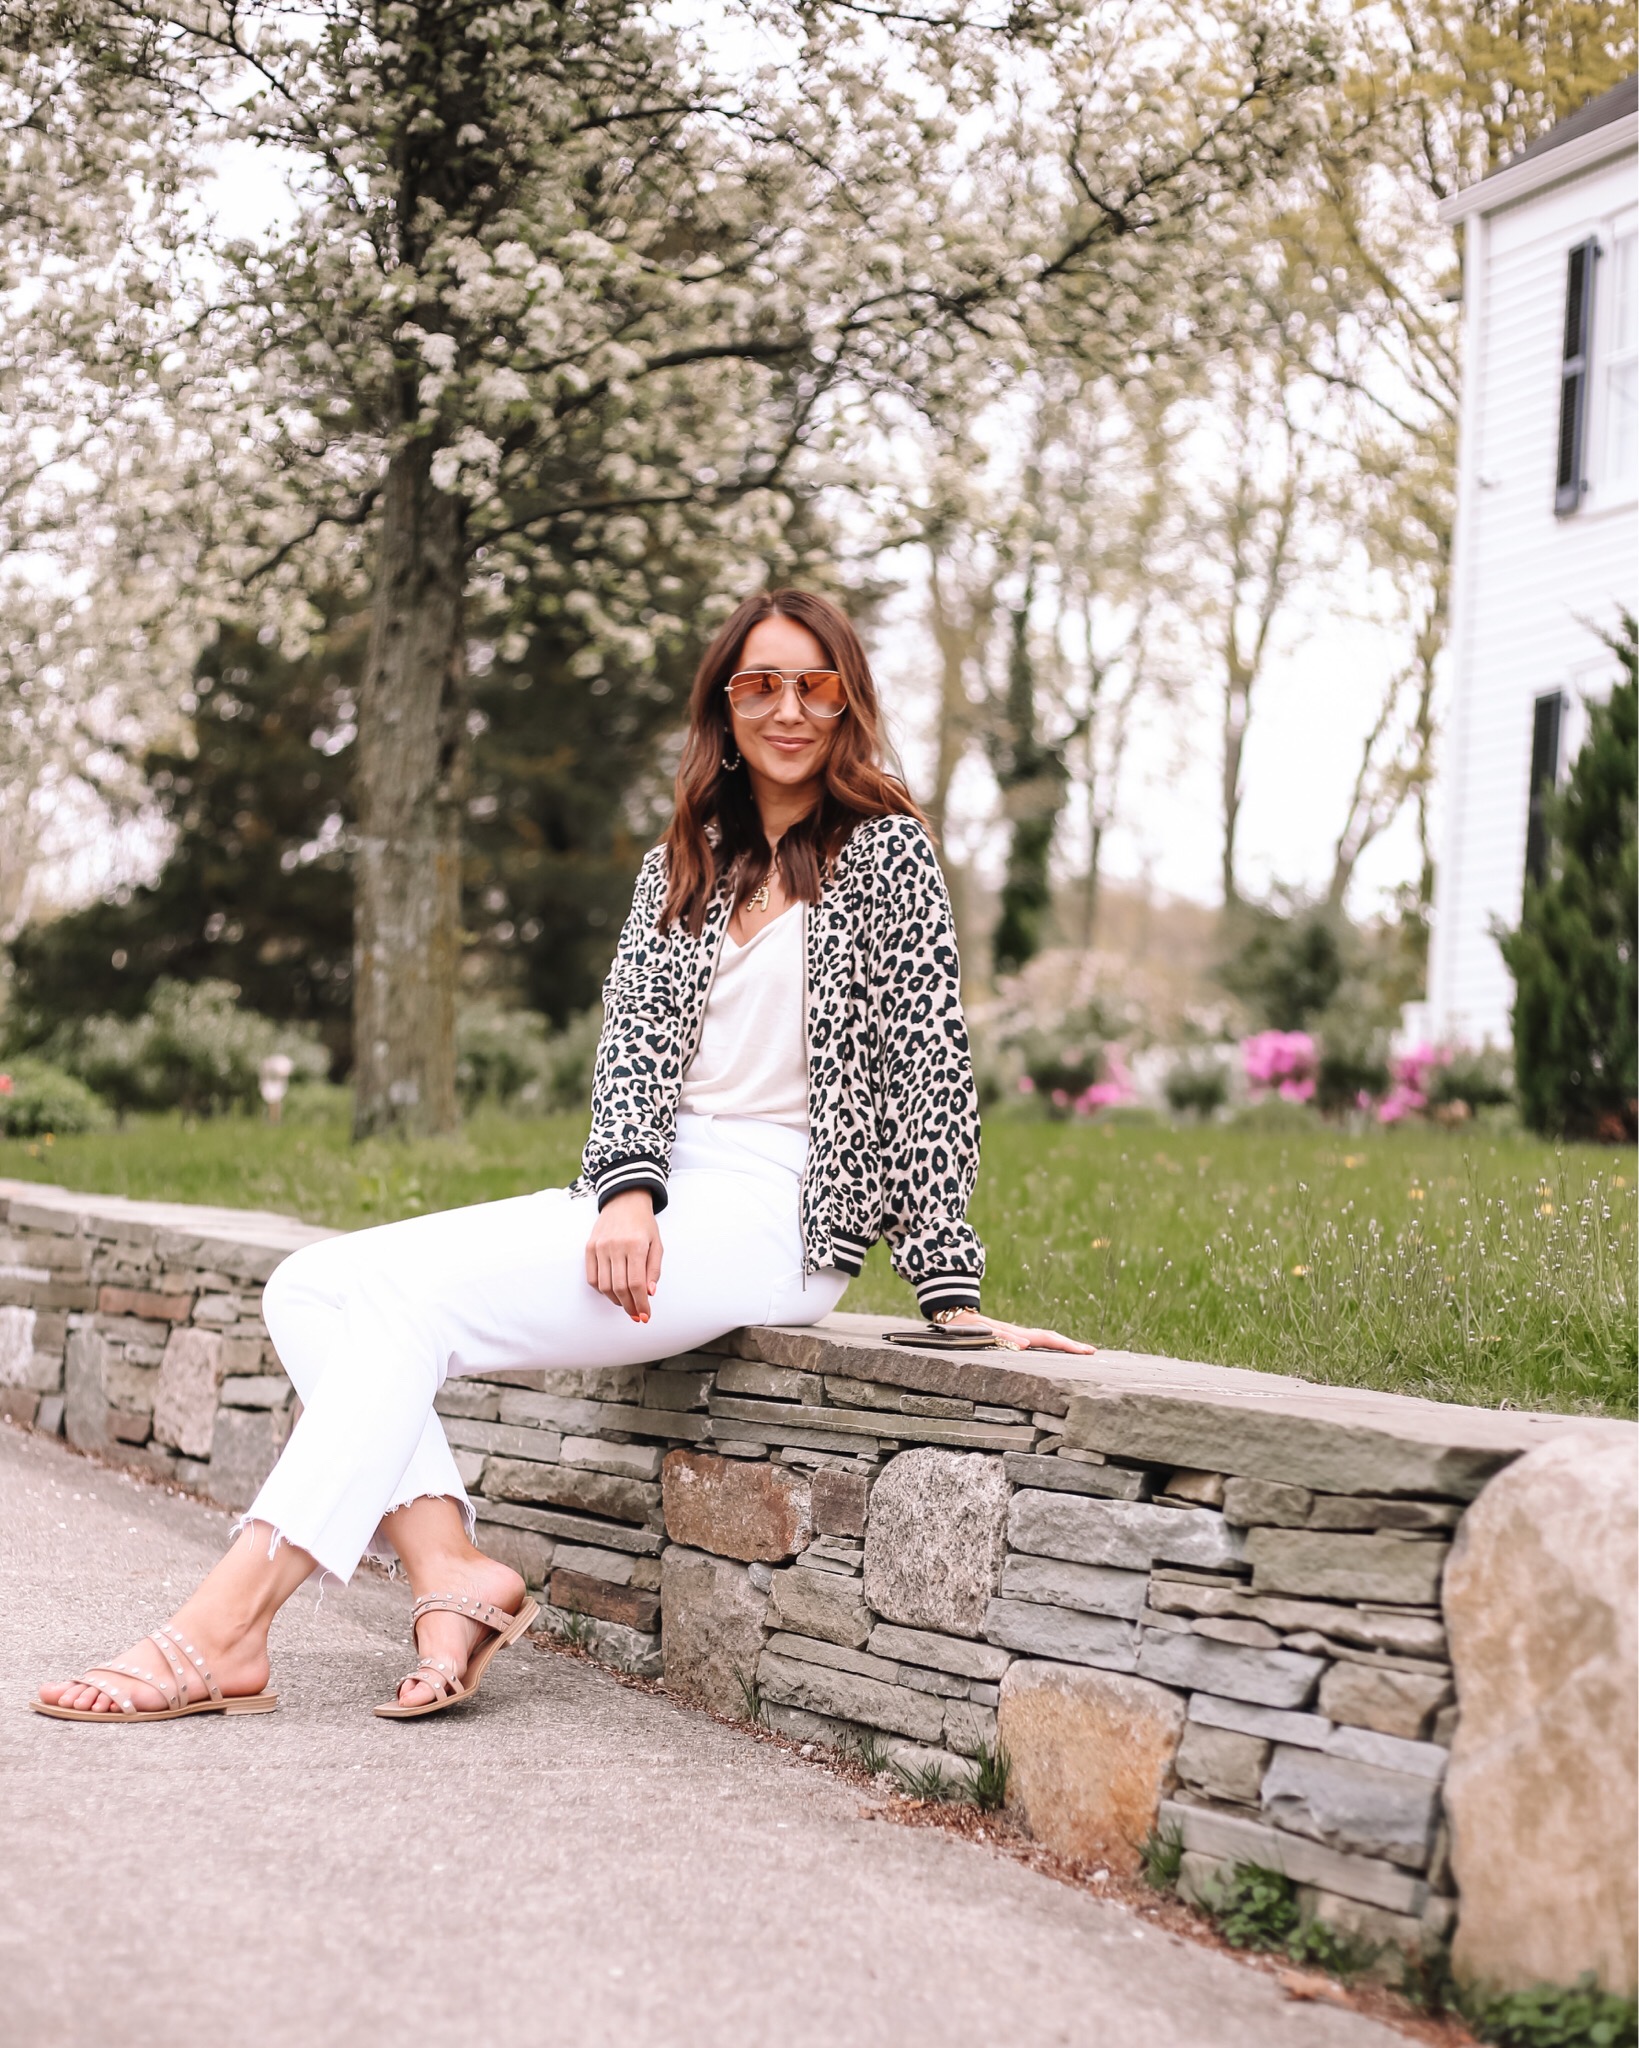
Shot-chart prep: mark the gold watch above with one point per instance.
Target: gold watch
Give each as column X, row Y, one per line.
column 943, row 1318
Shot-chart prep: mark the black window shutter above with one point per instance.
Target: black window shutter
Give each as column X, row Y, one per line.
column 1546, row 723
column 1569, row 483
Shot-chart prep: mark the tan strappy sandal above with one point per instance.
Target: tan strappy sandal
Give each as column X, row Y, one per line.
column 438, row 1673
column 173, row 1689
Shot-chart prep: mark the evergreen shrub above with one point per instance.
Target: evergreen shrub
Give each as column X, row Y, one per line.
column 1572, row 955
column 1196, row 1087
column 1478, row 1080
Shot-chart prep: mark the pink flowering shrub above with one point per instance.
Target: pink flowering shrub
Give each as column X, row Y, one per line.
column 1112, row 1090
column 1281, row 1061
column 1409, row 1076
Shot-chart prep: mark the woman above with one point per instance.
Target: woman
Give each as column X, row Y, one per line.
column 773, row 1092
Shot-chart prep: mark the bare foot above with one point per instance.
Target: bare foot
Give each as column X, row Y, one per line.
column 237, row 1661
column 451, row 1637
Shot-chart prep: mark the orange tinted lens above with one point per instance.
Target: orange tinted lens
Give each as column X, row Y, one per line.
column 755, row 689
column 821, row 692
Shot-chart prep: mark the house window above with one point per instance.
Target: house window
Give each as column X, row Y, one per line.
column 1619, row 394
column 1547, row 729
column 1569, row 479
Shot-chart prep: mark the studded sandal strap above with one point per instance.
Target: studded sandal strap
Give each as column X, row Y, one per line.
column 437, row 1674
column 484, row 1612
column 171, row 1689
column 172, row 1694
column 165, row 1635
column 97, row 1677
column 177, row 1694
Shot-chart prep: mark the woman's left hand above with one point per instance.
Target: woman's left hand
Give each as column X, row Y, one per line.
column 1019, row 1336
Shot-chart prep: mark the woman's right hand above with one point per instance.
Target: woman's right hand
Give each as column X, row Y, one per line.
column 624, row 1251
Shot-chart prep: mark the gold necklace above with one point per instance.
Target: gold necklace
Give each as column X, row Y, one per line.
column 758, row 899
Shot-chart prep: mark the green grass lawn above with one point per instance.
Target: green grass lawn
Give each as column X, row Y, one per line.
column 1467, row 1266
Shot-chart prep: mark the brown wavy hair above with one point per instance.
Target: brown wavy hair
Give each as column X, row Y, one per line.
column 857, row 784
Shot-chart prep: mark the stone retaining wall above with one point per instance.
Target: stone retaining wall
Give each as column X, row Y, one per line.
column 1176, row 1595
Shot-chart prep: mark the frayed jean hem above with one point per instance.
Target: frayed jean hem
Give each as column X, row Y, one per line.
column 379, row 1548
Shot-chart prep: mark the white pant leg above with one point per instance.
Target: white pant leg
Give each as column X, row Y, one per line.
column 370, row 1325
column 306, row 1308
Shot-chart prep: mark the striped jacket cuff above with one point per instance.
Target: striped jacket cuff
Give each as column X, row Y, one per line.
column 847, row 1253
column 947, row 1290
column 620, row 1176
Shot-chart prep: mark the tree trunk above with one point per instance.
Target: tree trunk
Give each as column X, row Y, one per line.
column 412, row 710
column 1032, row 784
column 1090, row 882
column 1235, row 711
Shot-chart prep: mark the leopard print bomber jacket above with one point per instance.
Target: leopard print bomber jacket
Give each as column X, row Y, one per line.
column 892, row 1109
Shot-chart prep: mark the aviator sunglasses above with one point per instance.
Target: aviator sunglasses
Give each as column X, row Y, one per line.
column 754, row 692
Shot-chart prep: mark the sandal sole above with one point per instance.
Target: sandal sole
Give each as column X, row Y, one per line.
column 252, row 1703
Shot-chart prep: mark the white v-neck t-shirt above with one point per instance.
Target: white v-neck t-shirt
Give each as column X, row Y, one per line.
column 752, row 1059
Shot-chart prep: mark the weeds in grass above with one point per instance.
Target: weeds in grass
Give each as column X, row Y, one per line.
column 752, row 1695
column 924, row 1781
column 1552, row 2016
column 866, row 1749
column 1332, row 1949
column 1473, row 1266
column 992, row 1767
column 1161, row 1858
column 1426, row 1980
column 1256, row 1908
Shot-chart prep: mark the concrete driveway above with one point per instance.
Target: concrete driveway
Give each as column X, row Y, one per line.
column 567, row 1861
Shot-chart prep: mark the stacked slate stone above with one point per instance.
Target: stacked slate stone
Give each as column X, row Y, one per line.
column 135, row 1329
column 1256, row 1664
column 568, row 1492
column 1300, row 1639
column 1178, row 1597
column 752, row 1550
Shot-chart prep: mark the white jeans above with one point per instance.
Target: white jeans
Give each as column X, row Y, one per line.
column 370, row 1325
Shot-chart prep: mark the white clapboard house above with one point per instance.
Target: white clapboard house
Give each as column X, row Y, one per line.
column 1547, row 540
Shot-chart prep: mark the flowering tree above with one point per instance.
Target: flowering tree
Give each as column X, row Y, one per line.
column 79, row 250
column 551, row 292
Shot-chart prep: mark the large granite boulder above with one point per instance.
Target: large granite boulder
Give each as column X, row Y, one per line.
column 1540, row 1599
column 934, row 1540
column 1092, row 1757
